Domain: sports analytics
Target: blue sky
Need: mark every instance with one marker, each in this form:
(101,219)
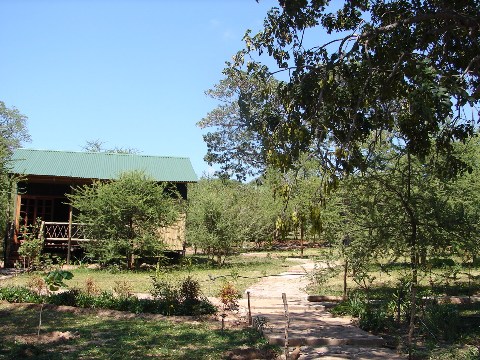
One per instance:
(129,73)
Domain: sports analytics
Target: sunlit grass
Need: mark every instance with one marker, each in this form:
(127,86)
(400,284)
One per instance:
(241,270)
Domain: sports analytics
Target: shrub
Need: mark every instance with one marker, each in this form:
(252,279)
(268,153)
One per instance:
(229,296)
(354,306)
(182,298)
(123,288)
(375,319)
(18,294)
(441,321)
(190,290)
(67,298)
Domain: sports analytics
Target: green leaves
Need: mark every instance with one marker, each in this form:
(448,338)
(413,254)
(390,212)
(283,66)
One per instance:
(125,215)
(55,279)
(398,66)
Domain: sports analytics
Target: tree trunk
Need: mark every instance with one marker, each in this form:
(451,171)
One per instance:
(345,273)
(414,257)
(302,234)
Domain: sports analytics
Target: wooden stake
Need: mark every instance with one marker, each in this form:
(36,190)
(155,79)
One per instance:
(249,310)
(287,322)
(69,243)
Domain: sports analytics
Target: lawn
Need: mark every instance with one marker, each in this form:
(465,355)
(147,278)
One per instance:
(241,270)
(95,335)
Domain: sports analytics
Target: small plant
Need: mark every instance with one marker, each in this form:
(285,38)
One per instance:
(123,288)
(37,284)
(259,323)
(32,245)
(182,298)
(55,279)
(354,306)
(90,287)
(190,290)
(441,321)
(229,296)
(320,275)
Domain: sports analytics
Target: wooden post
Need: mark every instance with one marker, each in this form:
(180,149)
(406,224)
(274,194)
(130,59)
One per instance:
(287,322)
(249,310)
(69,243)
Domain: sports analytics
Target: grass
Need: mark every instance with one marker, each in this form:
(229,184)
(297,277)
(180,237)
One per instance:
(439,281)
(242,270)
(109,337)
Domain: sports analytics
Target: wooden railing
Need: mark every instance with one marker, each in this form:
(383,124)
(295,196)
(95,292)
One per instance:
(51,231)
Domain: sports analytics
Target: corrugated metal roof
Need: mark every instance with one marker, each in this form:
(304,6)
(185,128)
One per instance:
(92,165)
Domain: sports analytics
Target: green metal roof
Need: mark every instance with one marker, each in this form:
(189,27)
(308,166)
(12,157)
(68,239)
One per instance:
(92,165)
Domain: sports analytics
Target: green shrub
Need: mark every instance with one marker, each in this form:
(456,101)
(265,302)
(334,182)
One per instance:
(67,298)
(442,321)
(375,319)
(354,306)
(18,294)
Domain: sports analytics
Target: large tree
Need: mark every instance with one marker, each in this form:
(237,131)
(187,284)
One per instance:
(407,65)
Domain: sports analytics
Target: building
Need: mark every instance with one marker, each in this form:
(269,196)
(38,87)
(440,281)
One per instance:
(46,177)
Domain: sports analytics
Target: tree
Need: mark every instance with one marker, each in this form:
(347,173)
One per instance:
(13,130)
(98,146)
(124,216)
(212,218)
(223,215)
(302,197)
(232,143)
(405,207)
(406,65)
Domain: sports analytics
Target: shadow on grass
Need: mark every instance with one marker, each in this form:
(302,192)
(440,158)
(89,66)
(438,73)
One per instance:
(110,338)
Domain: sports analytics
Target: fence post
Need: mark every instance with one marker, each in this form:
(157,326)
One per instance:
(69,243)
(287,323)
(249,310)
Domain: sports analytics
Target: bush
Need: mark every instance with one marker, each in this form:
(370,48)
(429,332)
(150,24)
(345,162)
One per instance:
(442,321)
(18,294)
(354,306)
(229,296)
(67,298)
(182,298)
(375,319)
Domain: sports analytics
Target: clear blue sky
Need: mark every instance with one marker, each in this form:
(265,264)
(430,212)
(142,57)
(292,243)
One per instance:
(130,73)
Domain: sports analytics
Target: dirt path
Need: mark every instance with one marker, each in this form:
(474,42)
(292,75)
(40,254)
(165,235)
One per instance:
(312,329)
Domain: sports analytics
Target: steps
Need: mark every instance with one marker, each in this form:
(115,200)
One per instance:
(311,327)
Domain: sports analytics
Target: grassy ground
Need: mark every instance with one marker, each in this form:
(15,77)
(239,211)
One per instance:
(242,270)
(66,335)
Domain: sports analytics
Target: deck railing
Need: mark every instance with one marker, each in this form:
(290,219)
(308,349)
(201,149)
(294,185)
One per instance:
(60,231)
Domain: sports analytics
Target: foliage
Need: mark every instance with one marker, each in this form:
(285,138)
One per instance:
(182,305)
(302,197)
(55,278)
(180,298)
(441,321)
(13,130)
(231,143)
(123,288)
(98,146)
(229,296)
(32,246)
(223,215)
(19,294)
(124,216)
(403,65)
